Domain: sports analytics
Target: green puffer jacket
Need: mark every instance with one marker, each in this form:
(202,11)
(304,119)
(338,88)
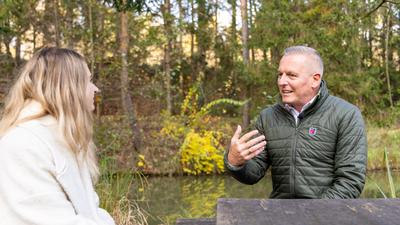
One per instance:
(323,156)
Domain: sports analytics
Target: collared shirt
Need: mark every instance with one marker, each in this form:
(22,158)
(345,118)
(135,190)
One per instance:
(296,113)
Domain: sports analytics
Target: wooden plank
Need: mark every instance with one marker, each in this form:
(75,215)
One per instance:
(308,212)
(197,221)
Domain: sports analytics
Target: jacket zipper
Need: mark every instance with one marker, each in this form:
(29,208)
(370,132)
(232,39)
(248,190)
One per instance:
(293,151)
(293,167)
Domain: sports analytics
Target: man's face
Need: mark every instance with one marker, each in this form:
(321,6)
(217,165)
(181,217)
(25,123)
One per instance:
(297,80)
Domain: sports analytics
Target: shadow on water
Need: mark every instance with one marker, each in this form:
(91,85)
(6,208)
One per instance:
(169,198)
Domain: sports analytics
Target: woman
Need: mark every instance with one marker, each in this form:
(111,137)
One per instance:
(47,156)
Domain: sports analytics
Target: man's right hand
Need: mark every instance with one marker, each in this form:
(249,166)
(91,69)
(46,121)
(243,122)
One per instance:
(243,148)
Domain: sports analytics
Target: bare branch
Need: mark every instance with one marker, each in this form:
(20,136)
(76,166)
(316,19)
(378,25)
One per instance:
(376,8)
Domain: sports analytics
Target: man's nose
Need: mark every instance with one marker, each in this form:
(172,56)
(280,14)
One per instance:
(282,79)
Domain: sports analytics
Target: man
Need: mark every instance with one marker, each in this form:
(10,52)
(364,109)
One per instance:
(314,142)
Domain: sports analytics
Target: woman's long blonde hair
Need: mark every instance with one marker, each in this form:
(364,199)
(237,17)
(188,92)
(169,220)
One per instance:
(57,78)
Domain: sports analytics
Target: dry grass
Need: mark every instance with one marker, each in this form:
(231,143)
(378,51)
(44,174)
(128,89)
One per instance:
(378,140)
(128,212)
(115,196)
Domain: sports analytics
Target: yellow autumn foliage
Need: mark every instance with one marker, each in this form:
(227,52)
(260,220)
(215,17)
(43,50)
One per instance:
(202,153)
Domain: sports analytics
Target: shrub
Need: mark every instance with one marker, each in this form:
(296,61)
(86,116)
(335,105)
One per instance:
(202,153)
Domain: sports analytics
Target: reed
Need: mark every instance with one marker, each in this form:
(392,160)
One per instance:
(389,173)
(115,196)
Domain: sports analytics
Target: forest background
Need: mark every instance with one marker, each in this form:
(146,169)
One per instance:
(177,76)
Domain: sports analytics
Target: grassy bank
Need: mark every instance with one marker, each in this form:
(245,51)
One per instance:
(378,140)
(161,154)
(116,195)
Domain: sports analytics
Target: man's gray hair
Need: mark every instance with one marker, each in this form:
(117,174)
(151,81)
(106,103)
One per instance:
(304,50)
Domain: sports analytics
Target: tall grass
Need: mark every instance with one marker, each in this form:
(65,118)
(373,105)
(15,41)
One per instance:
(391,184)
(118,182)
(378,140)
(384,185)
(115,196)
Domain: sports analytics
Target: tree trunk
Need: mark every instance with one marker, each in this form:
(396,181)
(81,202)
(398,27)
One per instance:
(70,24)
(251,3)
(202,38)
(18,51)
(245,55)
(56,23)
(166,11)
(233,26)
(180,46)
(216,29)
(233,44)
(91,37)
(126,98)
(100,52)
(192,33)
(192,28)
(387,36)
(216,16)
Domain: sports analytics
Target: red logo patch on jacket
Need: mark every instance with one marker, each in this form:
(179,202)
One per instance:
(312,131)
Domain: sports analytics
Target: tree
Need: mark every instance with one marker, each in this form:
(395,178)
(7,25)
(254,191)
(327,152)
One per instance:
(166,12)
(125,95)
(245,55)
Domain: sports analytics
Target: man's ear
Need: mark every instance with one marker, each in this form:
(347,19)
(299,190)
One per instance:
(316,80)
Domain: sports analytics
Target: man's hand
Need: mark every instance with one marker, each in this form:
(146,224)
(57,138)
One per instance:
(243,148)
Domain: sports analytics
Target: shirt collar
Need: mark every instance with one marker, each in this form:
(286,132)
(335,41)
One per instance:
(291,108)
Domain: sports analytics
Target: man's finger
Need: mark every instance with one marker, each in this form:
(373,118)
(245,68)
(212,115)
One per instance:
(254,154)
(254,148)
(247,136)
(254,141)
(236,135)
(257,146)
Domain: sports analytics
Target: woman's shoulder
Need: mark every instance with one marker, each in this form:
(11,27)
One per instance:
(28,130)
(33,135)
(22,143)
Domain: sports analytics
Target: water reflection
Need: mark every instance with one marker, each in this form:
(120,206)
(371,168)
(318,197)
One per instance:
(169,198)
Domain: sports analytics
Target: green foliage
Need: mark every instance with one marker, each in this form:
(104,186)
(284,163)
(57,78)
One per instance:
(127,5)
(112,141)
(207,108)
(195,114)
(173,127)
(361,89)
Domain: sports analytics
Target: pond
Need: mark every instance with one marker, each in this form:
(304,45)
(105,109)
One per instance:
(167,198)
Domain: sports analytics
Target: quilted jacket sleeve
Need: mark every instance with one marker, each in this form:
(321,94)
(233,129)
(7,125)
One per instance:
(253,170)
(350,158)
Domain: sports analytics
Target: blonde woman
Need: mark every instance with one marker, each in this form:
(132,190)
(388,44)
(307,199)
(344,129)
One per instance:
(47,156)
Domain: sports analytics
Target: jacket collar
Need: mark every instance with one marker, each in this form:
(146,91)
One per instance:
(33,109)
(322,95)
